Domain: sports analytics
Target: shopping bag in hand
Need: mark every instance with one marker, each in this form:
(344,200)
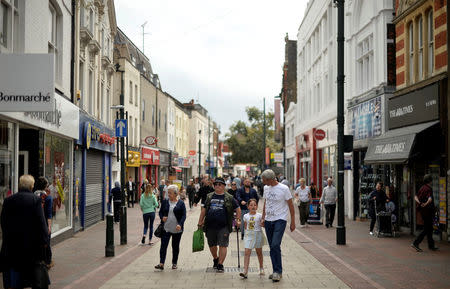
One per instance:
(198,241)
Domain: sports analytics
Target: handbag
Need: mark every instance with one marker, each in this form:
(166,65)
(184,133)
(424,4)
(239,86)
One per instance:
(198,241)
(160,230)
(40,275)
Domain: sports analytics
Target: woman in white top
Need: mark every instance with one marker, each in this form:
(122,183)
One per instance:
(303,197)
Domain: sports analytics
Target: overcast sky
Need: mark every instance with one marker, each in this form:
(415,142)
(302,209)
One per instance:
(226,54)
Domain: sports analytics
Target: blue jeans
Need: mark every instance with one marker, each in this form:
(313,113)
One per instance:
(148,217)
(274,233)
(176,238)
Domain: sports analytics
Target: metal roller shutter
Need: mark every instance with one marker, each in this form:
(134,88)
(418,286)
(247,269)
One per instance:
(94,187)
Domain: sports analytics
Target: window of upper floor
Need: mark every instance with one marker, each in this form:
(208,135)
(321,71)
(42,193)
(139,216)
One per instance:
(365,64)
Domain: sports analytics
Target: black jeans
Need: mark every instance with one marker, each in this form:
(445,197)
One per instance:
(131,198)
(117,211)
(191,200)
(330,209)
(176,238)
(373,220)
(427,231)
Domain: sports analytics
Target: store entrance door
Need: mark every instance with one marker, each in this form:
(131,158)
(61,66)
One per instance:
(31,156)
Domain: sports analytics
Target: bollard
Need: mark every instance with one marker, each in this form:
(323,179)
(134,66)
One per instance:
(109,247)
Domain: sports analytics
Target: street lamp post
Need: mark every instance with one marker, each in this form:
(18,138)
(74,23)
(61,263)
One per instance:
(123,208)
(199,153)
(340,229)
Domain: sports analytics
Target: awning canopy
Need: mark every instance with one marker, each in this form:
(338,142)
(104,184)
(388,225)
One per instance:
(395,145)
(177,169)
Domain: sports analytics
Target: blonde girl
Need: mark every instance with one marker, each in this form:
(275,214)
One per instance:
(148,204)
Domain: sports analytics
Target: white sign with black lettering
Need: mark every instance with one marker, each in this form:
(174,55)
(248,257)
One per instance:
(26,82)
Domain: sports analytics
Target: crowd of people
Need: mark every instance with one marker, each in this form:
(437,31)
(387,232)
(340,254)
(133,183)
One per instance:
(227,204)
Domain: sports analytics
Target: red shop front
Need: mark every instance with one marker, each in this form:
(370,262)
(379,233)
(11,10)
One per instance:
(149,165)
(309,159)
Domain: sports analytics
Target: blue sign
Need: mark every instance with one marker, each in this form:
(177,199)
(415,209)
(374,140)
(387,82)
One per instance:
(365,119)
(121,128)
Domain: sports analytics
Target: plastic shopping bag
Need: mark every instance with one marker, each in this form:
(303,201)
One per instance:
(198,241)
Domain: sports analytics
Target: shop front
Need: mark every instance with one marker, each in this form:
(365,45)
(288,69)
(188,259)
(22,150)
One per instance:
(412,147)
(164,165)
(41,144)
(92,183)
(149,164)
(132,165)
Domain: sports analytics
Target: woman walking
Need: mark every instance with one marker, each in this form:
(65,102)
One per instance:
(148,204)
(173,215)
(303,195)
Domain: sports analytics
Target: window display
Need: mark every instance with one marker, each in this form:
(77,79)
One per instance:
(57,171)
(6,161)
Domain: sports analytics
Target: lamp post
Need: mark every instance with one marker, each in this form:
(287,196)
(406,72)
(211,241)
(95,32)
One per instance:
(340,229)
(123,208)
(199,153)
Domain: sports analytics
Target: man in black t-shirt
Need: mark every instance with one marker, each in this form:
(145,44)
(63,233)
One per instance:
(216,219)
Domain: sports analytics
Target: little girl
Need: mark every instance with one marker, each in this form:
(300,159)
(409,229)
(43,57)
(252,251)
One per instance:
(254,237)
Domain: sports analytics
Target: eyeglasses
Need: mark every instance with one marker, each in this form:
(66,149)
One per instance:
(216,184)
(233,184)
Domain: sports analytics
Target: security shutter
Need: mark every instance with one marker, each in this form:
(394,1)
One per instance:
(94,187)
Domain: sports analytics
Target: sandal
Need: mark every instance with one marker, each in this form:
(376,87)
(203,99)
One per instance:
(174,266)
(159,266)
(243,275)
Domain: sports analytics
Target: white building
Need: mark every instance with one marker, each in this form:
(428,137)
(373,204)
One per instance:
(198,124)
(369,38)
(289,125)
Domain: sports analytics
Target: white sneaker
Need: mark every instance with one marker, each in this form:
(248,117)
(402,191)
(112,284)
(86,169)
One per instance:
(371,233)
(276,277)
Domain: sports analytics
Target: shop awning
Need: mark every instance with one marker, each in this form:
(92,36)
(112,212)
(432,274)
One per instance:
(394,146)
(177,169)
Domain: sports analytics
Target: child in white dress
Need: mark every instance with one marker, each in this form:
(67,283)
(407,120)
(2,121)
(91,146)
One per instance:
(254,237)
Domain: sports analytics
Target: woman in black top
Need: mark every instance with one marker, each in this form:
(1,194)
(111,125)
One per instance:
(116,197)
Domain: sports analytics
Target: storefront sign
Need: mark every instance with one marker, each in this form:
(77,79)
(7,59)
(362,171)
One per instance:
(278,157)
(94,134)
(192,153)
(149,156)
(183,162)
(133,159)
(365,119)
(314,212)
(319,134)
(164,159)
(174,159)
(63,119)
(27,82)
(151,140)
(415,107)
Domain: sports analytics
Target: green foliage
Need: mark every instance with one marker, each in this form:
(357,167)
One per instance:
(246,140)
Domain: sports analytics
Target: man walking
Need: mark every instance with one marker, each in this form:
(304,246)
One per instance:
(131,187)
(190,190)
(425,205)
(216,218)
(277,205)
(243,195)
(329,198)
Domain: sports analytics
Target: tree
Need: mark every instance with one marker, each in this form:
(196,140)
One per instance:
(246,140)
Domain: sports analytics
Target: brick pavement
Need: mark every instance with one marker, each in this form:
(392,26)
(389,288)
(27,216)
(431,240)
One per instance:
(371,262)
(300,269)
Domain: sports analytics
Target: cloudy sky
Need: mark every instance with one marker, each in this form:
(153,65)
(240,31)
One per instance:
(226,55)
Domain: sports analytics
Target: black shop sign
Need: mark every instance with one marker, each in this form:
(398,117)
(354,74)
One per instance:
(419,106)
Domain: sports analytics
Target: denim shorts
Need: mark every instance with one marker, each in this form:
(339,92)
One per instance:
(218,237)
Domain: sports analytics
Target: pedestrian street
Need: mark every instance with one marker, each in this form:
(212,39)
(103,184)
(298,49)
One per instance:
(300,269)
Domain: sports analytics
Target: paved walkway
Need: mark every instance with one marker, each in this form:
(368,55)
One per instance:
(301,270)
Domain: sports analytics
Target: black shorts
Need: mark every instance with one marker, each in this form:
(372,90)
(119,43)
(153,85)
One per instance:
(218,237)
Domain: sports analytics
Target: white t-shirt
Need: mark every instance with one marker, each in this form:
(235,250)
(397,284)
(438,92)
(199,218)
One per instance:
(253,221)
(303,194)
(276,202)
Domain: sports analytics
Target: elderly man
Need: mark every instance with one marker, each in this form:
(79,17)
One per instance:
(216,219)
(277,206)
(25,236)
(329,198)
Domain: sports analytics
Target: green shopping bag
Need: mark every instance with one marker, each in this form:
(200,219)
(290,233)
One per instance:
(198,241)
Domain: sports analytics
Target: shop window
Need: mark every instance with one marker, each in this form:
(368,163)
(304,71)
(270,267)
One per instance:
(57,171)
(430,43)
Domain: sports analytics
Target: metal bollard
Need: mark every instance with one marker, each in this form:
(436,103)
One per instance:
(123,225)
(109,247)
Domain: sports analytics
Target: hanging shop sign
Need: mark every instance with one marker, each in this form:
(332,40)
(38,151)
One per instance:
(174,159)
(151,140)
(95,135)
(419,106)
(27,82)
(278,157)
(164,159)
(62,119)
(192,153)
(149,156)
(183,162)
(365,119)
(133,159)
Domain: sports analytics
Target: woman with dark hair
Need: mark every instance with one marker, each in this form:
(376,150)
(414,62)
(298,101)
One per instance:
(43,193)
